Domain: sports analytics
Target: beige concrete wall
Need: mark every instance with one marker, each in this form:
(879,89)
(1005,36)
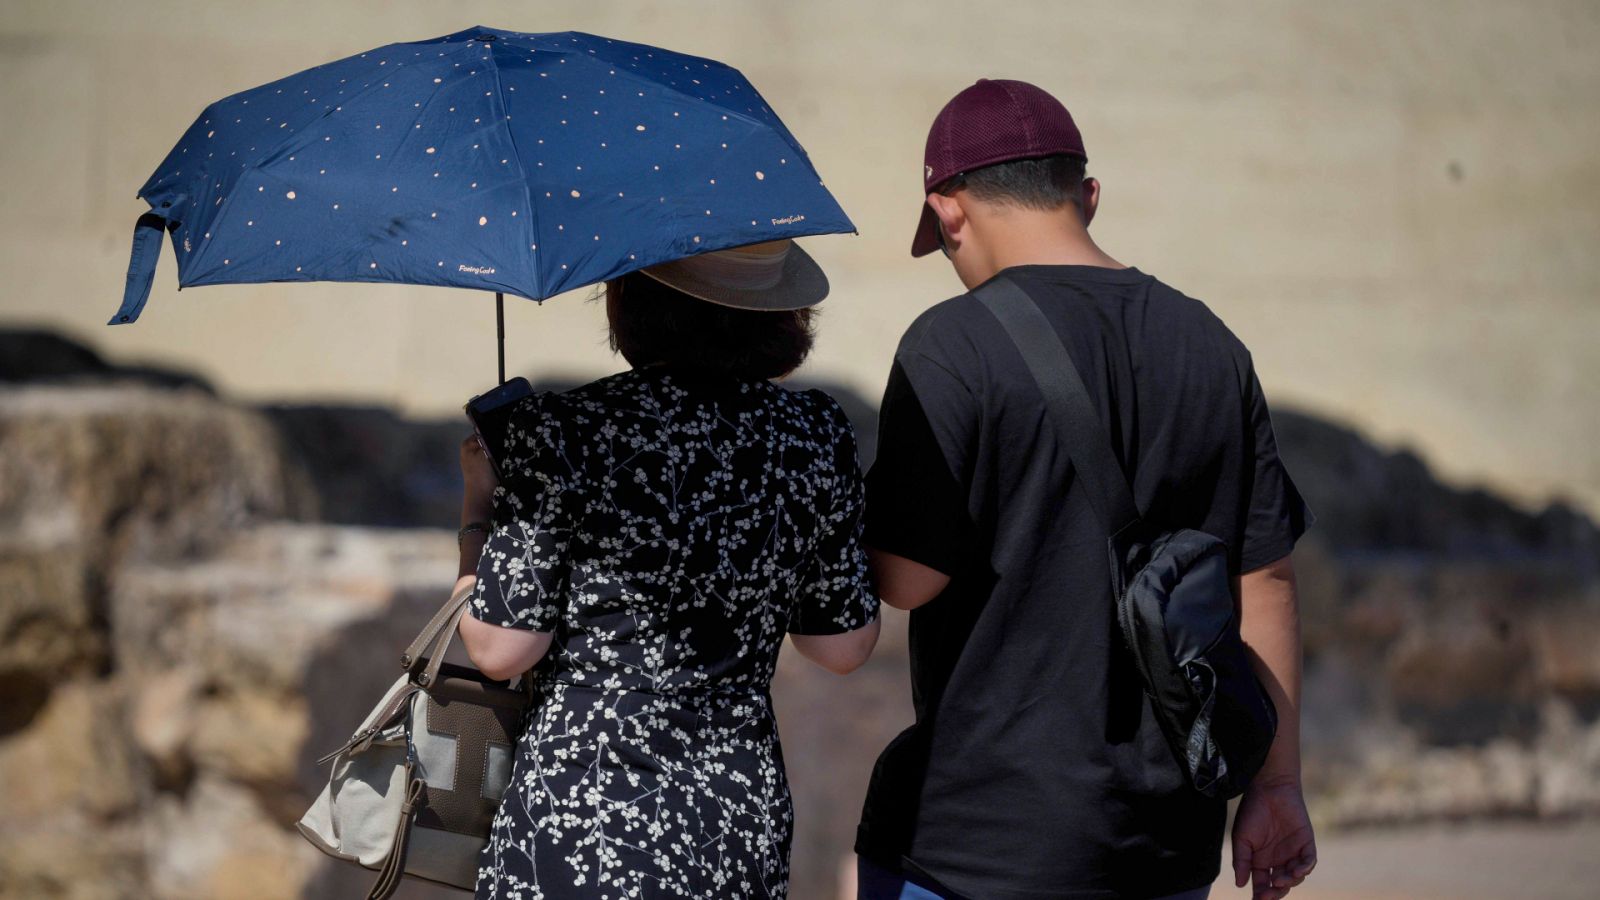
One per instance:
(1397,205)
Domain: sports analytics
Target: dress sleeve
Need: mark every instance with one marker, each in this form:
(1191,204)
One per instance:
(523,572)
(1277,515)
(835,595)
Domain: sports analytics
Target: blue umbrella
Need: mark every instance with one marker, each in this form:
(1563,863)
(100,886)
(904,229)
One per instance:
(525,164)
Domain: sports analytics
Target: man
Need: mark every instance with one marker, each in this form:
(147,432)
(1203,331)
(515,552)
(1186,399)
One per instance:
(1035,768)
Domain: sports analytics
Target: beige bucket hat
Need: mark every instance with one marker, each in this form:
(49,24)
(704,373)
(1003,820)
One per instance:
(772,276)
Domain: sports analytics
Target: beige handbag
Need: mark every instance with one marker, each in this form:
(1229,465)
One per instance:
(414,790)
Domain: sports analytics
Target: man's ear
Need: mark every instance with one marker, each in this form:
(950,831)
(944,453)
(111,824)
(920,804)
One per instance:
(1089,196)
(952,218)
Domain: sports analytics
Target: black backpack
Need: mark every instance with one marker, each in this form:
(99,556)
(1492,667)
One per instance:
(1175,603)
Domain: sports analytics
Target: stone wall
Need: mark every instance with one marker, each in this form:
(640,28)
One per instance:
(181,635)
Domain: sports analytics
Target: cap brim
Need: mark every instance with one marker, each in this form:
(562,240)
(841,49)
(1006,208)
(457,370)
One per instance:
(802,284)
(927,239)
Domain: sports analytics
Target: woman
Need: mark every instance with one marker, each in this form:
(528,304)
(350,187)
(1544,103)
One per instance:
(657,533)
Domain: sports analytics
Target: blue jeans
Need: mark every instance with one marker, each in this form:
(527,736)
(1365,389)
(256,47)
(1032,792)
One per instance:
(874,882)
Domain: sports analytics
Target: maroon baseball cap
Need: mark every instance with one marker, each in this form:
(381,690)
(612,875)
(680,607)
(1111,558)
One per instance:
(993,121)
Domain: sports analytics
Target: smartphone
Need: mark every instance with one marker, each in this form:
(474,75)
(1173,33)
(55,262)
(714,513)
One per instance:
(489,413)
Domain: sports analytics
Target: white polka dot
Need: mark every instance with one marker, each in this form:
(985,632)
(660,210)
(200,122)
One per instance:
(697,239)
(437,80)
(761,176)
(372,266)
(262,188)
(277,243)
(575,194)
(297,268)
(483,220)
(429,150)
(638,128)
(290,195)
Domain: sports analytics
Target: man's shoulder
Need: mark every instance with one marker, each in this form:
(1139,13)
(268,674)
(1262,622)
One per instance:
(1188,319)
(946,332)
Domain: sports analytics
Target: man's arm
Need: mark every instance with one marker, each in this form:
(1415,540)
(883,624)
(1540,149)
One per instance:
(903,583)
(1273,844)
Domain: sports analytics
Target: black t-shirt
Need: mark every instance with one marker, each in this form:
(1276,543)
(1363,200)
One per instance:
(1035,768)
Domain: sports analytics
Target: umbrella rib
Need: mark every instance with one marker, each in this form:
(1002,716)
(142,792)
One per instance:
(522,172)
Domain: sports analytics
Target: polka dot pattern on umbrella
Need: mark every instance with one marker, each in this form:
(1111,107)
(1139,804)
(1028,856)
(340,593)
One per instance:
(494,160)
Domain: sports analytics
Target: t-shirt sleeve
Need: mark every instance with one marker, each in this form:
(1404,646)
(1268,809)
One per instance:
(1277,514)
(918,486)
(835,595)
(523,572)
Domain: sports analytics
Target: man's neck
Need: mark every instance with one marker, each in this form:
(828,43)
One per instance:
(1045,239)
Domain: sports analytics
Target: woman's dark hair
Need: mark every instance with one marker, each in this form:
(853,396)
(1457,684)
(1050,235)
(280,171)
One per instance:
(653,323)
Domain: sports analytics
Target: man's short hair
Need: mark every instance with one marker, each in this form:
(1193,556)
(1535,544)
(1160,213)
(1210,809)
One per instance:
(1048,182)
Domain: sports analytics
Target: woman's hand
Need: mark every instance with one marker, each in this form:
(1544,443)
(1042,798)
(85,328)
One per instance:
(478,482)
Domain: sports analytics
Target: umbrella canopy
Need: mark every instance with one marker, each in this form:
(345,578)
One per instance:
(529,164)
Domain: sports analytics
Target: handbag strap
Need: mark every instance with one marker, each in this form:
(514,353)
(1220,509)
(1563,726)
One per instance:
(1066,400)
(394,862)
(440,628)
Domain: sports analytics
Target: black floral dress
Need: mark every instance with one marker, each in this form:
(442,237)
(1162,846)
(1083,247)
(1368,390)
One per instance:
(669,527)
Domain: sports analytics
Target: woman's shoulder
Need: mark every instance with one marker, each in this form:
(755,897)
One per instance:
(821,413)
(568,403)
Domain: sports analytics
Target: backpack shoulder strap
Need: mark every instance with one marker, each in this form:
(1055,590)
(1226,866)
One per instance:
(1066,400)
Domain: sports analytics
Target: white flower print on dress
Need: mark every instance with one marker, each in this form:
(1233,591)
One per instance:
(669,527)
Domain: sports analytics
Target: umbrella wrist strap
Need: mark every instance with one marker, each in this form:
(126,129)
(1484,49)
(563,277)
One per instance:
(147,235)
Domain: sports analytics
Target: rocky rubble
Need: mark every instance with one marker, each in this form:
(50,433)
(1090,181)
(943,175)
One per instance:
(181,635)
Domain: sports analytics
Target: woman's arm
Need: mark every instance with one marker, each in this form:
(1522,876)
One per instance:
(498,652)
(840,654)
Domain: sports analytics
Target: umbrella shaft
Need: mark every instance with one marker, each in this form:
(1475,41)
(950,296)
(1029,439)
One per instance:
(500,330)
